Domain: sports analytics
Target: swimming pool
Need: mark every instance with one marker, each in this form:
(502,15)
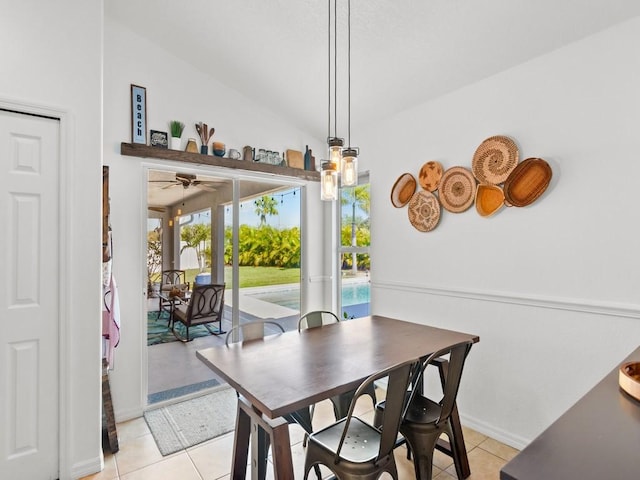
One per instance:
(352,294)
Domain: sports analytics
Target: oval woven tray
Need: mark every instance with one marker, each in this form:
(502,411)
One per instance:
(527,182)
(403,189)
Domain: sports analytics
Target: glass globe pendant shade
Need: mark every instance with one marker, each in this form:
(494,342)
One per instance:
(329,182)
(349,170)
(335,151)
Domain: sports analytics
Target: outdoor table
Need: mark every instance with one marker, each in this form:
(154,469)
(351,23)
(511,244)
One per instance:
(280,374)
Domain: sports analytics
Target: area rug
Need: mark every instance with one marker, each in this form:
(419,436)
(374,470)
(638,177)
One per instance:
(159,332)
(185,424)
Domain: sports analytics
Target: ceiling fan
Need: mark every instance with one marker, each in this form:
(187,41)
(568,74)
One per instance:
(187,180)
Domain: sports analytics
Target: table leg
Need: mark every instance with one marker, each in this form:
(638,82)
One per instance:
(460,454)
(241,445)
(281,448)
(278,430)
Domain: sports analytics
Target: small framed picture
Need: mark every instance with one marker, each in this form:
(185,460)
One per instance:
(138,114)
(158,139)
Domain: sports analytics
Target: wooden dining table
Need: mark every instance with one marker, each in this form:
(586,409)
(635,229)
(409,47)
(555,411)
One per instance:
(280,374)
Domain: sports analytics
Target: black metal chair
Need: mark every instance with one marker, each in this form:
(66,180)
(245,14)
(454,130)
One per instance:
(353,449)
(205,306)
(426,420)
(319,318)
(254,331)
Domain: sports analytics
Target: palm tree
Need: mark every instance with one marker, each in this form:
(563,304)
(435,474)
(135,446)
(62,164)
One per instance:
(265,205)
(357,196)
(196,236)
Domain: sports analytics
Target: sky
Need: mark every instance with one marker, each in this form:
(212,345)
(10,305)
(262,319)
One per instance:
(288,206)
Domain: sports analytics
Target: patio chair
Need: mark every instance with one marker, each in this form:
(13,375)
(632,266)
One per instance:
(352,448)
(205,306)
(170,280)
(253,331)
(319,318)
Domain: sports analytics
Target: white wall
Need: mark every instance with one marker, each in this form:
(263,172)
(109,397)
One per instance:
(53,61)
(552,289)
(175,90)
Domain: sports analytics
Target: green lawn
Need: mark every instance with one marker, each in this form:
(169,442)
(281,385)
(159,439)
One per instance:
(256,276)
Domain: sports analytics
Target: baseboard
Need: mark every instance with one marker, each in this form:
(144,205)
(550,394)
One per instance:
(88,467)
(498,434)
(129,414)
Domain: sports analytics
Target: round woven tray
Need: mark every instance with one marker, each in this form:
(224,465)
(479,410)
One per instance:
(424,211)
(457,188)
(489,199)
(402,190)
(527,182)
(430,175)
(494,160)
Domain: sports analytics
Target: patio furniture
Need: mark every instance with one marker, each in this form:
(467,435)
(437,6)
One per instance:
(205,306)
(352,448)
(171,281)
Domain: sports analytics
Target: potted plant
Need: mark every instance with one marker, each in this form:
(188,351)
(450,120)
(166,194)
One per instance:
(176,128)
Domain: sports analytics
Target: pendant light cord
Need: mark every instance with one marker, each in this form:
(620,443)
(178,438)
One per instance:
(335,68)
(349,71)
(329,70)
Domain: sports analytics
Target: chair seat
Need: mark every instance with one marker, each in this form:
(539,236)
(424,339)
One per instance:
(180,311)
(423,410)
(361,444)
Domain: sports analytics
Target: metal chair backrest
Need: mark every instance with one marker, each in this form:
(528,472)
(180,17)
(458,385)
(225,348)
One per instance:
(316,318)
(450,382)
(173,277)
(207,301)
(251,331)
(396,402)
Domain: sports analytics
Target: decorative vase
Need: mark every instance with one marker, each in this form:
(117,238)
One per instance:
(192,146)
(204,149)
(176,143)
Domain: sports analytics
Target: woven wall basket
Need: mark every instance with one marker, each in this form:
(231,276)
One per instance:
(494,160)
(424,211)
(527,182)
(430,175)
(403,190)
(457,189)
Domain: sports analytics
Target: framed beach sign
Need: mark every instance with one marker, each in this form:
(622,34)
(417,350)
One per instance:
(138,114)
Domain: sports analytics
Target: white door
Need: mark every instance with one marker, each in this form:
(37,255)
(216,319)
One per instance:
(29,277)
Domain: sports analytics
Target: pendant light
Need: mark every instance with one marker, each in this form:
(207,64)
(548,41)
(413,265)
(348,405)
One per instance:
(349,166)
(342,161)
(331,167)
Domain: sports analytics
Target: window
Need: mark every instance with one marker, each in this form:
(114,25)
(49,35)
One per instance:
(353,252)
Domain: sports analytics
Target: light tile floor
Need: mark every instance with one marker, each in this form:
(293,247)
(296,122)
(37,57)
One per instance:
(139,458)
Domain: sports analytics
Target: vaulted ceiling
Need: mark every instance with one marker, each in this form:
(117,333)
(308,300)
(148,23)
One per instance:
(404,52)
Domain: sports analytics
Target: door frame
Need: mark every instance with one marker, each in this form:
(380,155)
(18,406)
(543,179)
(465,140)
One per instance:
(64,260)
(236,177)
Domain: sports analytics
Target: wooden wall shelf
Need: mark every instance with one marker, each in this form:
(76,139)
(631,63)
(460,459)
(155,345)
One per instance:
(144,151)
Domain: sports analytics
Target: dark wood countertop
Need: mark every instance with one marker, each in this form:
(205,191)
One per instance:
(598,437)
